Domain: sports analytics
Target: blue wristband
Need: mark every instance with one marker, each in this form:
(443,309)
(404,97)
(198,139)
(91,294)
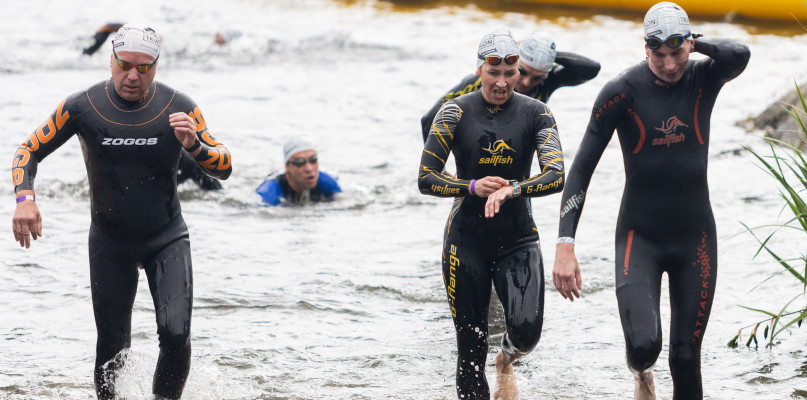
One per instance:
(31,197)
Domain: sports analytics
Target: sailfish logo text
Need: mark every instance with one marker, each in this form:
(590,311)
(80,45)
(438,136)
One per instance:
(669,128)
(496,151)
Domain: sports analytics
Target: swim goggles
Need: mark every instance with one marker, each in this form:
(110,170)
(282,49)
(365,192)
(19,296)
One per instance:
(535,79)
(673,41)
(300,162)
(496,60)
(143,68)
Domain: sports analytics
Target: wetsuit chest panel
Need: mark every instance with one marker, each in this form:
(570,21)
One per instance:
(494,140)
(131,155)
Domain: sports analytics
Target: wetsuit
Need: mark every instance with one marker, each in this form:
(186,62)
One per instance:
(275,190)
(131,155)
(490,140)
(665,221)
(570,70)
(100,37)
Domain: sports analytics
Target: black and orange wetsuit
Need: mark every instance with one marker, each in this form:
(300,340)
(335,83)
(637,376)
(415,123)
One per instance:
(490,140)
(131,155)
(665,220)
(570,70)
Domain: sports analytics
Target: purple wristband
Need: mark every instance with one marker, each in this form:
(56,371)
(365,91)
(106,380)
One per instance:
(20,199)
(473,184)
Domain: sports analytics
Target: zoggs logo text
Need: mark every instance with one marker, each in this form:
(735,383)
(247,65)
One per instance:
(129,142)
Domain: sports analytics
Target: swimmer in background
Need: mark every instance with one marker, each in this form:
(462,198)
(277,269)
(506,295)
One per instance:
(131,129)
(661,109)
(302,181)
(542,70)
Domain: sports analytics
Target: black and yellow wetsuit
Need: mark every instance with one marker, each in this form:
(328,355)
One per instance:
(131,155)
(665,221)
(490,140)
(570,70)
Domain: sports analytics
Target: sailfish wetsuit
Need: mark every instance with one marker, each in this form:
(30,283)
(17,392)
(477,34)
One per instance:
(131,155)
(665,221)
(570,70)
(491,140)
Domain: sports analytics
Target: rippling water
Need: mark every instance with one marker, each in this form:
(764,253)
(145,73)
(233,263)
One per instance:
(345,300)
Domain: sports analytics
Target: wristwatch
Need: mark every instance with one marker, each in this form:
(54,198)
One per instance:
(516,188)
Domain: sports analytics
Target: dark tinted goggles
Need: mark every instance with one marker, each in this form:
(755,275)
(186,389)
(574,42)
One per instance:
(299,162)
(672,41)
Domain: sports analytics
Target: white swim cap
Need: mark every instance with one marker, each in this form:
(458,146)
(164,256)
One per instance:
(498,42)
(137,38)
(664,20)
(538,51)
(296,145)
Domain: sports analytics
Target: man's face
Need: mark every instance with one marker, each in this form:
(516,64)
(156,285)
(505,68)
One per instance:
(132,85)
(529,78)
(305,175)
(667,63)
(498,81)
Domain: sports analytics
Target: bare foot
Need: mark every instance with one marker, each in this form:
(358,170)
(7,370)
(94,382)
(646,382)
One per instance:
(644,389)
(505,379)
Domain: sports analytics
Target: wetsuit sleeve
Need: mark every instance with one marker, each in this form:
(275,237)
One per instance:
(573,69)
(270,191)
(100,37)
(550,159)
(54,132)
(605,116)
(435,153)
(727,58)
(214,157)
(469,84)
(328,185)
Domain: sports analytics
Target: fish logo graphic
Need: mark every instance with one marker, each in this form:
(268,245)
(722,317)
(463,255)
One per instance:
(498,147)
(669,126)
(496,151)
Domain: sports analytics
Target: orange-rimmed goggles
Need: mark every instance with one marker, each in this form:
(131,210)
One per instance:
(496,60)
(142,68)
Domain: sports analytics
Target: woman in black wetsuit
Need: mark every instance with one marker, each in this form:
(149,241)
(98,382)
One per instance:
(661,109)
(490,235)
(131,129)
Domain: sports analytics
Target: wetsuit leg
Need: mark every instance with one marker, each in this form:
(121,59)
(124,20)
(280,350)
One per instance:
(113,283)
(519,281)
(468,284)
(638,289)
(171,284)
(692,286)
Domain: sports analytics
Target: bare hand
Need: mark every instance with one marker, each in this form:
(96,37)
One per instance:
(184,129)
(27,222)
(496,199)
(488,185)
(566,273)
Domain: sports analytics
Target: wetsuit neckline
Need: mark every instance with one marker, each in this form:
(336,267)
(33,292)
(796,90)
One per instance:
(128,105)
(495,108)
(658,81)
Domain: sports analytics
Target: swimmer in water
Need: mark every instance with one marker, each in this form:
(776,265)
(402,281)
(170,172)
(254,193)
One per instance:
(132,130)
(661,109)
(495,135)
(541,70)
(302,182)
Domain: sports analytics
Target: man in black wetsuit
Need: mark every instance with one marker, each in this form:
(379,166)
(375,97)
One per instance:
(661,109)
(131,129)
(542,70)
(490,235)
(188,168)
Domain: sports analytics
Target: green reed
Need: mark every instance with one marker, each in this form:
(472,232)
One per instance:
(790,172)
